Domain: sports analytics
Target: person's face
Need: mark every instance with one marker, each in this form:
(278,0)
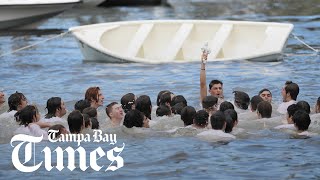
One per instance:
(62,110)
(37,117)
(2,99)
(216,90)
(284,94)
(117,112)
(266,96)
(100,98)
(23,103)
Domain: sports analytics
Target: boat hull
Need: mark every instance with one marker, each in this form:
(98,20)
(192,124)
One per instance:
(92,55)
(107,3)
(178,41)
(29,16)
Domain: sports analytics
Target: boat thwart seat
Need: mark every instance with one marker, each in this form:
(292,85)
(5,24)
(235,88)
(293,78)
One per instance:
(219,39)
(176,43)
(138,39)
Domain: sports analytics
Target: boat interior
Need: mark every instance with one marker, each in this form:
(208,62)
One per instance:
(171,41)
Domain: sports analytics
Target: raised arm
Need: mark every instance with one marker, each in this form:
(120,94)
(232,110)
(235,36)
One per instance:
(203,79)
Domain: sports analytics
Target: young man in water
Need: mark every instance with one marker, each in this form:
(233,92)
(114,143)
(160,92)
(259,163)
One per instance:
(266,95)
(241,101)
(217,133)
(76,122)
(215,86)
(16,102)
(301,121)
(209,104)
(289,95)
(264,110)
(56,110)
(293,108)
(115,113)
(135,118)
(94,96)
(255,100)
(82,104)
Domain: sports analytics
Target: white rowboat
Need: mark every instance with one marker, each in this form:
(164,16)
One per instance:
(18,13)
(163,41)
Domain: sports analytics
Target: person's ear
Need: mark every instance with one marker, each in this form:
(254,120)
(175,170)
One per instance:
(235,123)
(288,95)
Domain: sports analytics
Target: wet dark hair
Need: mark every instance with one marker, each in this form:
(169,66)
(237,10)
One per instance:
(143,104)
(218,120)
(14,100)
(81,105)
(177,108)
(201,118)
(163,110)
(215,81)
(304,105)
(159,96)
(292,109)
(53,104)
(225,105)
(264,109)
(292,89)
(109,108)
(92,94)
(179,99)
(241,99)
(187,115)
(26,115)
(133,118)
(209,101)
(127,101)
(302,120)
(255,100)
(231,118)
(75,121)
(94,123)
(265,89)
(165,98)
(91,111)
(57,127)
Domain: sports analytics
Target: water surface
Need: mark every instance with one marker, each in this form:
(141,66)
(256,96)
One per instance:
(56,68)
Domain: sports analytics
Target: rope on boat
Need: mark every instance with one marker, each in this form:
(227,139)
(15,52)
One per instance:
(307,45)
(35,44)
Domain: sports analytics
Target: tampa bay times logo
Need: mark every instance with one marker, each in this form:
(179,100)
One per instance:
(26,147)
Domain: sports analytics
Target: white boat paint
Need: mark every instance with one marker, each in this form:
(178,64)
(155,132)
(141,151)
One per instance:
(18,13)
(163,41)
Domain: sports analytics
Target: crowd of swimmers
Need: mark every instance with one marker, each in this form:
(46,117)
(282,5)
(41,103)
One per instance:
(217,117)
